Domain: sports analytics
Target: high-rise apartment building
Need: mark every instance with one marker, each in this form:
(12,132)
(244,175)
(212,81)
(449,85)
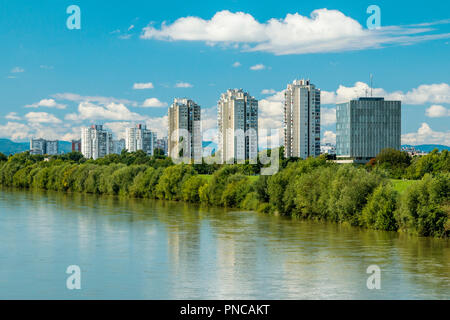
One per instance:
(118,146)
(161,144)
(42,146)
(95,142)
(185,137)
(76,145)
(140,138)
(52,147)
(366,126)
(237,118)
(301,120)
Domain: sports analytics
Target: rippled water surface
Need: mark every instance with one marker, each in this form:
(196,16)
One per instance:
(144,249)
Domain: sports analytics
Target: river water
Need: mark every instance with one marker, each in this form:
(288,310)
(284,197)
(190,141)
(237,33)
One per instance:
(145,249)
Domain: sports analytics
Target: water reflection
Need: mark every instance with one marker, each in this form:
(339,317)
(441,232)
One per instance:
(134,248)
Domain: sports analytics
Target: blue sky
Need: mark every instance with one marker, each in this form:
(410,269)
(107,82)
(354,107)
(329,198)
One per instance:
(54,80)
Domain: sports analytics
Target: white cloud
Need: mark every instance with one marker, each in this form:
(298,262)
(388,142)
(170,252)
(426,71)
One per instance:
(15,131)
(236,64)
(96,99)
(323,31)
(271,114)
(257,67)
(425,93)
(143,85)
(17,70)
(268,91)
(437,111)
(425,135)
(41,117)
(12,116)
(49,103)
(131,27)
(183,85)
(46,67)
(153,103)
(329,137)
(327,116)
(112,111)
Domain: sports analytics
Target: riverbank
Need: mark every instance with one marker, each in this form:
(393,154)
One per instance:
(312,189)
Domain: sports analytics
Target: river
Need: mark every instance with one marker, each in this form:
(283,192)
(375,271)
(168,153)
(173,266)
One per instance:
(146,249)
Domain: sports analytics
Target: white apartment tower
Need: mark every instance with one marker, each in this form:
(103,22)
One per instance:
(140,138)
(237,118)
(96,142)
(185,136)
(301,120)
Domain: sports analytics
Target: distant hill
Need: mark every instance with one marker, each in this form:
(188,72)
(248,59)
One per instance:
(428,147)
(10,147)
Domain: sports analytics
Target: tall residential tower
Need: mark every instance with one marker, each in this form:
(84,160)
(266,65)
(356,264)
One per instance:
(238,126)
(95,142)
(185,136)
(140,138)
(301,120)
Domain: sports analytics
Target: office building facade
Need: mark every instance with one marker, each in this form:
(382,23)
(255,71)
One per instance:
(302,120)
(185,136)
(237,126)
(366,126)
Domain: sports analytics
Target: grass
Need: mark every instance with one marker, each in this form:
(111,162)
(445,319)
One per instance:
(401,185)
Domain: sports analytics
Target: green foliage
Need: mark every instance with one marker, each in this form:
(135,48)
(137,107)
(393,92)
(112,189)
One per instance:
(311,189)
(424,207)
(379,211)
(190,188)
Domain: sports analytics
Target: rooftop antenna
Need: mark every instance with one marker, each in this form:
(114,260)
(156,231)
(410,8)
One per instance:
(371,85)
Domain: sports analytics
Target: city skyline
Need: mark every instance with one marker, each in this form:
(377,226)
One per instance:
(51,91)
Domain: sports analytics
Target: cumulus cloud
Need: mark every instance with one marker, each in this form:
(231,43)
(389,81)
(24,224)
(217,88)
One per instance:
(112,111)
(153,103)
(67,96)
(425,135)
(327,31)
(17,70)
(329,137)
(12,116)
(327,116)
(49,103)
(41,117)
(15,131)
(425,93)
(258,67)
(183,85)
(268,91)
(142,85)
(437,111)
(236,64)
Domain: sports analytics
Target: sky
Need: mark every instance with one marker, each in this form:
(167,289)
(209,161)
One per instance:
(128,60)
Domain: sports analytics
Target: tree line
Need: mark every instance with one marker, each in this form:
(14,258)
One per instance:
(310,189)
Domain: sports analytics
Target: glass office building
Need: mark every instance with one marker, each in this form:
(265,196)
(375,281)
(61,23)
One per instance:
(366,126)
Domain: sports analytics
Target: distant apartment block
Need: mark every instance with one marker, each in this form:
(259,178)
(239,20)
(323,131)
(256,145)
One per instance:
(161,144)
(185,136)
(42,146)
(76,145)
(95,142)
(302,120)
(366,126)
(238,126)
(140,138)
(118,146)
(328,148)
